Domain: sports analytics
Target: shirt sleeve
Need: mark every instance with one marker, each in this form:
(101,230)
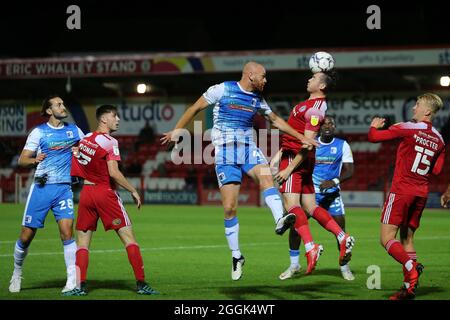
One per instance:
(214,93)
(395,131)
(33,139)
(347,155)
(113,151)
(80,133)
(265,108)
(439,163)
(314,118)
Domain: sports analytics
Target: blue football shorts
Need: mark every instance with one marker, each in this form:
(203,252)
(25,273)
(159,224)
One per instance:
(331,202)
(57,197)
(234,158)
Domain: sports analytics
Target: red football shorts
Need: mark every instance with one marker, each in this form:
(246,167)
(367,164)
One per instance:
(403,210)
(300,181)
(104,203)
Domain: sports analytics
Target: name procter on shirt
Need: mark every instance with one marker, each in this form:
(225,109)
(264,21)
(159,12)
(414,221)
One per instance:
(420,153)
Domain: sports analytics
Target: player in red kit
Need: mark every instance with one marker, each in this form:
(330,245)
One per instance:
(96,162)
(420,154)
(296,169)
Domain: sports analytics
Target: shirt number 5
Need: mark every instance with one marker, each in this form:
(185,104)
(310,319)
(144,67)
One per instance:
(422,158)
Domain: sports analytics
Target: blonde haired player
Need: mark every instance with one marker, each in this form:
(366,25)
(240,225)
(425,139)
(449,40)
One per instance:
(420,154)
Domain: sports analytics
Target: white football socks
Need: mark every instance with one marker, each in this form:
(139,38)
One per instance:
(232,235)
(20,252)
(273,201)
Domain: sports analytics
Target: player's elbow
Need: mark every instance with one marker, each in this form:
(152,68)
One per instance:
(22,162)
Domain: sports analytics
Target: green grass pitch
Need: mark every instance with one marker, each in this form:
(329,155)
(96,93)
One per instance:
(186,257)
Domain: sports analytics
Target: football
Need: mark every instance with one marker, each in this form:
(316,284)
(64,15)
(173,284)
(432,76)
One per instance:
(321,61)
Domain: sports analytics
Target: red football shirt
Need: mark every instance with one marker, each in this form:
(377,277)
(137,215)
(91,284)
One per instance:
(307,115)
(420,153)
(95,150)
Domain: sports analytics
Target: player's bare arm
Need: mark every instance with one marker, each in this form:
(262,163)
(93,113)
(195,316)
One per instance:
(275,161)
(279,123)
(118,177)
(28,159)
(298,159)
(283,175)
(346,173)
(187,117)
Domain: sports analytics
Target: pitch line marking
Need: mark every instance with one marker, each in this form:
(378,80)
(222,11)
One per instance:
(365,239)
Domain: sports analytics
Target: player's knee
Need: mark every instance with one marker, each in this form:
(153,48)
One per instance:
(230,210)
(27,235)
(265,182)
(66,235)
(26,241)
(309,210)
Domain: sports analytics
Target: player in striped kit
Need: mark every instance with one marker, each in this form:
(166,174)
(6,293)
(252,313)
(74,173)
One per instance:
(49,148)
(333,165)
(96,162)
(420,154)
(235,105)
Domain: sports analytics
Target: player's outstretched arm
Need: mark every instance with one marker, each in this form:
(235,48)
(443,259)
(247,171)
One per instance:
(118,177)
(28,160)
(187,117)
(376,135)
(279,123)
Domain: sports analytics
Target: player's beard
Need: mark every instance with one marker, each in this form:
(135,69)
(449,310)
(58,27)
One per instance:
(327,138)
(114,128)
(61,116)
(259,88)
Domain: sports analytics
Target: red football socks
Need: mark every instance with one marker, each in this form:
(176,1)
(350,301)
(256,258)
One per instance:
(396,250)
(82,262)
(135,258)
(301,224)
(325,220)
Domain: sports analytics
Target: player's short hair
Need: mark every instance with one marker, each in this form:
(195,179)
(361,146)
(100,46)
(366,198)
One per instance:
(103,109)
(432,100)
(47,104)
(327,116)
(329,78)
